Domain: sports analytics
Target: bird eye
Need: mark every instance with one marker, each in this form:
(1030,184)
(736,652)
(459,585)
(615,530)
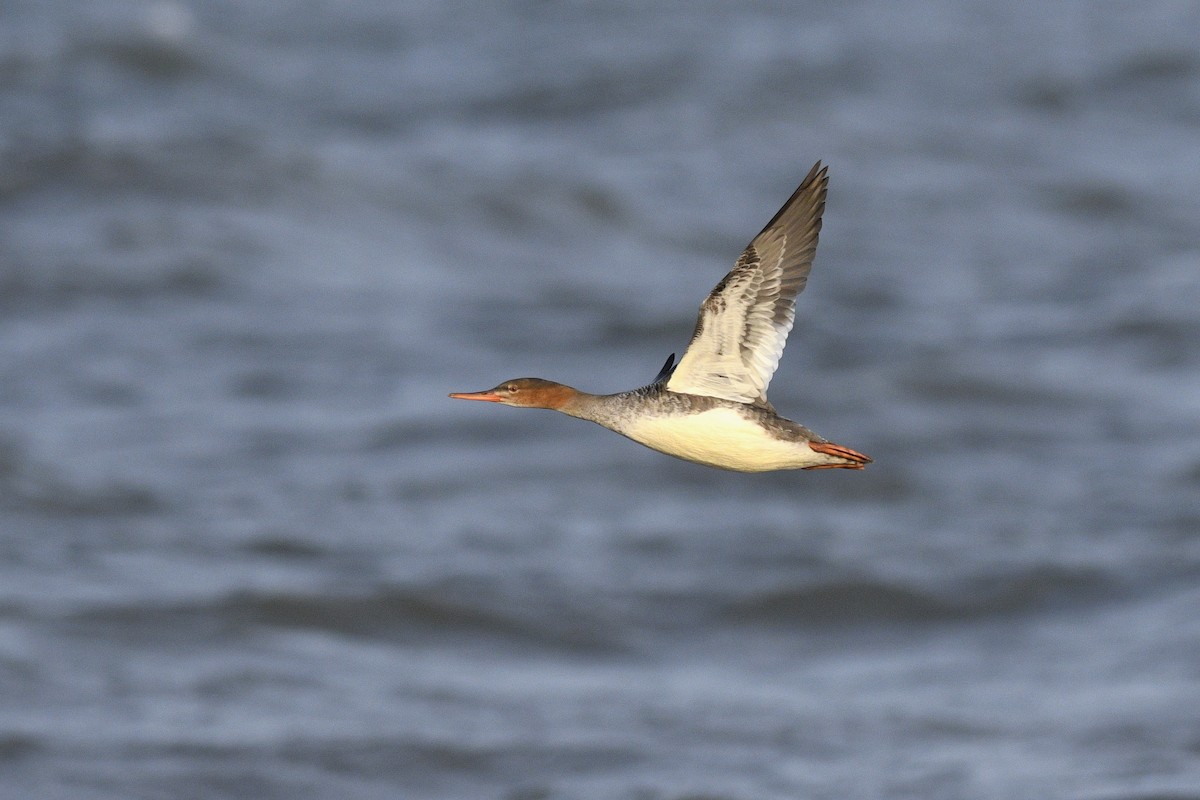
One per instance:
(512,387)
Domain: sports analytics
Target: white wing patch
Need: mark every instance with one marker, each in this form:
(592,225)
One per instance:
(744,322)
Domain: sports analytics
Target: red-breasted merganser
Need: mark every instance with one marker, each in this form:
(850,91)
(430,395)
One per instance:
(711,407)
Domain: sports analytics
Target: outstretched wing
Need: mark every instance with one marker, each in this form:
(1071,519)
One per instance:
(744,322)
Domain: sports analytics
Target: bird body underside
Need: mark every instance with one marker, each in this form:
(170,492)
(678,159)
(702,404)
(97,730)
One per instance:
(726,438)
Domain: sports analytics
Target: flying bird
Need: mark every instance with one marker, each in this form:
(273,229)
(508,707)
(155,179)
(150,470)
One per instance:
(711,407)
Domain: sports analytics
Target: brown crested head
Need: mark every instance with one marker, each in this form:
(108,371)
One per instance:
(524,393)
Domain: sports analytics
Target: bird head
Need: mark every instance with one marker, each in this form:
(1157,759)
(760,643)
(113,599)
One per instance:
(523,393)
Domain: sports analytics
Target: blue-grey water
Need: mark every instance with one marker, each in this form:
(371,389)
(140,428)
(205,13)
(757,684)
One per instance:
(249,549)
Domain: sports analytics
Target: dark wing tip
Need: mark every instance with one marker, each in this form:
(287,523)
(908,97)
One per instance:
(818,176)
(666,370)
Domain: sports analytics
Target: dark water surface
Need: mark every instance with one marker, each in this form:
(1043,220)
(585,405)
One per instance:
(248,549)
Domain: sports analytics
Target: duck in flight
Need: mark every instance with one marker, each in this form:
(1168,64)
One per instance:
(711,407)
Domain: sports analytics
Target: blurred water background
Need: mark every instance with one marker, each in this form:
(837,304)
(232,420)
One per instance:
(248,549)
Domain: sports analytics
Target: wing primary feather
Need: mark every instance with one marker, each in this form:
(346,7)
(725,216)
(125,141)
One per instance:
(813,174)
(666,370)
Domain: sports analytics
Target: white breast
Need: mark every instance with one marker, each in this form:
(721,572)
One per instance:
(721,437)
